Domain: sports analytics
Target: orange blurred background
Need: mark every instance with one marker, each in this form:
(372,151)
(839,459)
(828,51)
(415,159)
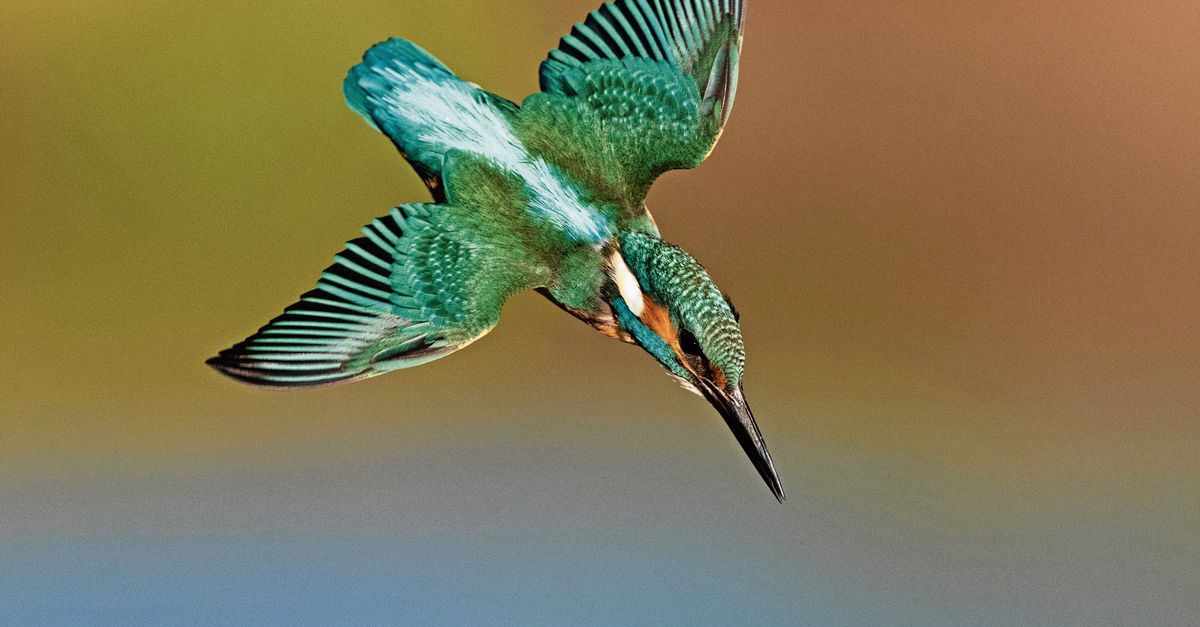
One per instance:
(965,241)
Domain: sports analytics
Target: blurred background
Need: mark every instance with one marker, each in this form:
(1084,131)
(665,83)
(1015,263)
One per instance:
(964,238)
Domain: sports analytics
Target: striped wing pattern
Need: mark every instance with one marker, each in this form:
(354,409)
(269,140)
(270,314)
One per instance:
(663,72)
(693,36)
(397,297)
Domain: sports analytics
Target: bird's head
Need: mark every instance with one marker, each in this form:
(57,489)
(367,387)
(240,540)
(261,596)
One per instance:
(665,300)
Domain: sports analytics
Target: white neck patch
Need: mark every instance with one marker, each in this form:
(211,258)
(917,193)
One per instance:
(627,284)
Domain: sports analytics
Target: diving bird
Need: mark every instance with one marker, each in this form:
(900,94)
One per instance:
(548,195)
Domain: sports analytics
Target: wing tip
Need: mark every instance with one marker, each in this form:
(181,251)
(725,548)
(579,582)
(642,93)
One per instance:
(228,363)
(676,32)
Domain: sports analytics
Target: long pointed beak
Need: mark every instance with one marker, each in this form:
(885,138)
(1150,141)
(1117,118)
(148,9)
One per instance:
(736,412)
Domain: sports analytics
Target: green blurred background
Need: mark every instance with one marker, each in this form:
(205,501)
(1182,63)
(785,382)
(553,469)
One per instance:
(964,237)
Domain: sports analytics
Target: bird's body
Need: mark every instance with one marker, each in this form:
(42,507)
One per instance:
(548,195)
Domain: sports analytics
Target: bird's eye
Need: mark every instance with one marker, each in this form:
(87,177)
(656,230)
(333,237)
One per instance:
(688,343)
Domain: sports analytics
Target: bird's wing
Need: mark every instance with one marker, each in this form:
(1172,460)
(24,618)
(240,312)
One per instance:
(423,107)
(417,286)
(661,76)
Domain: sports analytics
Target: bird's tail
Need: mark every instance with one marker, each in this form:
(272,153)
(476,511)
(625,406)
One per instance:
(422,106)
(404,57)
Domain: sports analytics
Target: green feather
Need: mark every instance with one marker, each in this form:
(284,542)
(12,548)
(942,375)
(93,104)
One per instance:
(660,77)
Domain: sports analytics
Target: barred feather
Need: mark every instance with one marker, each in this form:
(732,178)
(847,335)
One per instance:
(405,293)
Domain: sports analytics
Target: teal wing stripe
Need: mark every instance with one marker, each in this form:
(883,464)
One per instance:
(673,31)
(418,285)
(341,330)
(698,37)
(615,36)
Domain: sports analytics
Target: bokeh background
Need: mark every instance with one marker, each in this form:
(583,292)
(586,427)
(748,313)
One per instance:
(964,237)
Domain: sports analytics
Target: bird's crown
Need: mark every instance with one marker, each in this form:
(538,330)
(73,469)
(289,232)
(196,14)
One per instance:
(685,309)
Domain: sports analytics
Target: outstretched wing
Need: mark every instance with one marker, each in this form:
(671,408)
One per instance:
(423,107)
(661,76)
(417,286)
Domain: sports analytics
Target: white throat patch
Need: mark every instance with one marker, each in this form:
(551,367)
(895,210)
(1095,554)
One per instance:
(627,284)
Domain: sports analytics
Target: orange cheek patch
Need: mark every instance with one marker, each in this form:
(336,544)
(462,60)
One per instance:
(656,317)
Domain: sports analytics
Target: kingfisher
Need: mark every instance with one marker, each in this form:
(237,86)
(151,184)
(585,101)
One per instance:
(548,195)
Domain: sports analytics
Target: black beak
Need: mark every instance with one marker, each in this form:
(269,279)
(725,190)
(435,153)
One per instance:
(736,412)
